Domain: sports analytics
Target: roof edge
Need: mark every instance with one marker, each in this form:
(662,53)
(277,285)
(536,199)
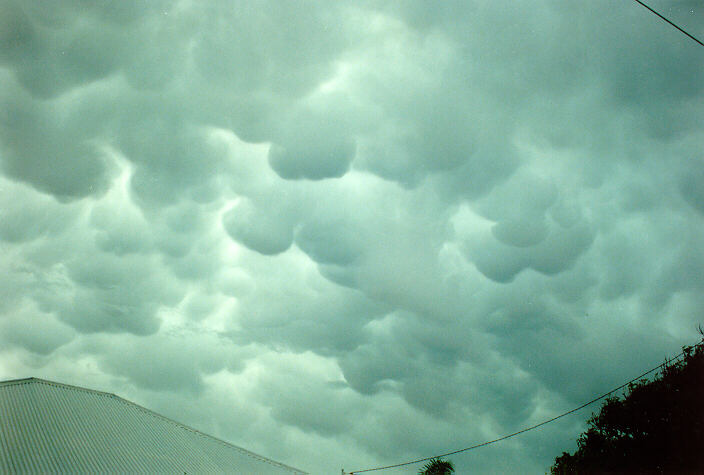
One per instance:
(31,379)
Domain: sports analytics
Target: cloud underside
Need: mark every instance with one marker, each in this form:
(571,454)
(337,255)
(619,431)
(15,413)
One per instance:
(383,231)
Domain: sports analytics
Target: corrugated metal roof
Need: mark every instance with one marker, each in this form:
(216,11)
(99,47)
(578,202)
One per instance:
(48,427)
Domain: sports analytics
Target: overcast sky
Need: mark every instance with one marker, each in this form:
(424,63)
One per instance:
(349,234)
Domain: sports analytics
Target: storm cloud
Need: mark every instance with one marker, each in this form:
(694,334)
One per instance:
(372,231)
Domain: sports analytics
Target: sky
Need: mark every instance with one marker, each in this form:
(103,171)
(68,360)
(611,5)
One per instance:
(355,233)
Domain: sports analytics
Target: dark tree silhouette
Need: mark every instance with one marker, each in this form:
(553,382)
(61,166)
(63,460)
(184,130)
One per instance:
(658,427)
(437,466)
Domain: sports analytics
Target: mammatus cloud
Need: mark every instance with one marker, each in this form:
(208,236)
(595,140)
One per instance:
(373,231)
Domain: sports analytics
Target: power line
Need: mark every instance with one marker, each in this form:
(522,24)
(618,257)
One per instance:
(483,444)
(682,30)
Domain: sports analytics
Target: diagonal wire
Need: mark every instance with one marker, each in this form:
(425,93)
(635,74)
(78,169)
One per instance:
(483,444)
(682,30)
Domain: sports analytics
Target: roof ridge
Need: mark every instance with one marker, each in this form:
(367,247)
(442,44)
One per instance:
(149,412)
(33,379)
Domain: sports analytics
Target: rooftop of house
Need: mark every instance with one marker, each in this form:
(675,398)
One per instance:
(52,427)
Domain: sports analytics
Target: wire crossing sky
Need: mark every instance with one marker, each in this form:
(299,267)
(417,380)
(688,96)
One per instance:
(493,441)
(363,229)
(668,21)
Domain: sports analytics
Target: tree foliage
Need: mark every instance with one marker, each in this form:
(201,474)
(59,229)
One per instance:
(658,427)
(437,466)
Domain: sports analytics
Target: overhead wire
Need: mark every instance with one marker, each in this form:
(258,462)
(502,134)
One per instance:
(493,441)
(671,23)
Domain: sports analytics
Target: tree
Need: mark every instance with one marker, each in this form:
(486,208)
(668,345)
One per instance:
(437,466)
(658,427)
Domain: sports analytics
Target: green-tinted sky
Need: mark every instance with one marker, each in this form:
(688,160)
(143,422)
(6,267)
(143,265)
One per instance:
(347,234)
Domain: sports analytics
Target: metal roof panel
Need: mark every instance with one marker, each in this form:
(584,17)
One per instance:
(53,427)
